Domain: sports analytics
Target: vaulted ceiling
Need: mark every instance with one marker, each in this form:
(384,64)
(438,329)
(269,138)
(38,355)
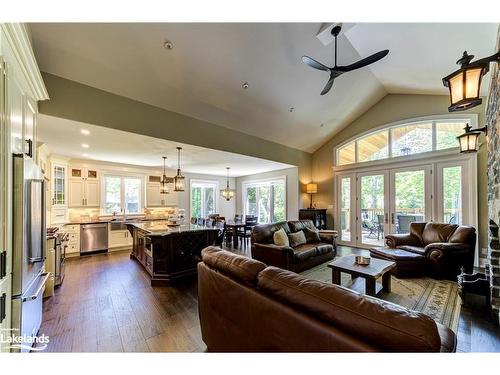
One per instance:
(202,75)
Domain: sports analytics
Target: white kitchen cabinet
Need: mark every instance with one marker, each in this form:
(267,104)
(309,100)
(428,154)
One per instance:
(155,199)
(73,231)
(119,238)
(84,187)
(5,303)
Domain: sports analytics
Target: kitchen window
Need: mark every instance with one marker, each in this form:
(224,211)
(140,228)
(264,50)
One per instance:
(122,193)
(265,199)
(203,198)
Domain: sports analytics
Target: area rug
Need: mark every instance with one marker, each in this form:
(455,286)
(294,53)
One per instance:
(438,299)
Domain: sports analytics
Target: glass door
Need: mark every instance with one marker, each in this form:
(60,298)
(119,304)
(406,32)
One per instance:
(452,192)
(372,208)
(410,196)
(346,208)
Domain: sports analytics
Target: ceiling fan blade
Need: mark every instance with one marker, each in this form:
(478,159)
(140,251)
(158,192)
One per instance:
(328,86)
(363,62)
(314,64)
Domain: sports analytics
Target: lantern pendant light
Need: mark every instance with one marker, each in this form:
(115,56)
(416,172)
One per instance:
(465,83)
(179,178)
(164,187)
(227,193)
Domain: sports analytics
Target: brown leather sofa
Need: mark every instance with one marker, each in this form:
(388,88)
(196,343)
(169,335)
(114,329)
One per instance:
(245,306)
(298,258)
(432,249)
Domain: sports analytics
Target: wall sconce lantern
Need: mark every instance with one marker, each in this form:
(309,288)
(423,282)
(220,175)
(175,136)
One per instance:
(469,140)
(465,83)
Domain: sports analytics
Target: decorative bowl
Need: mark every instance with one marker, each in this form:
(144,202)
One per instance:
(362,261)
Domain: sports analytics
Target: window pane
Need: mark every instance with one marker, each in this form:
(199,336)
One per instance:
(452,195)
(251,204)
(447,133)
(209,201)
(373,147)
(410,198)
(264,214)
(372,210)
(132,194)
(411,139)
(278,202)
(112,195)
(345,209)
(196,201)
(347,154)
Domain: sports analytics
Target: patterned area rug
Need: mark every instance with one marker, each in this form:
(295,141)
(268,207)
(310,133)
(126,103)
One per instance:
(438,299)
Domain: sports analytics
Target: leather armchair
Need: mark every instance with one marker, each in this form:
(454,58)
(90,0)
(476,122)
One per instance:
(295,259)
(439,249)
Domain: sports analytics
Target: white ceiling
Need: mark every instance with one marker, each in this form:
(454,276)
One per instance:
(202,75)
(63,137)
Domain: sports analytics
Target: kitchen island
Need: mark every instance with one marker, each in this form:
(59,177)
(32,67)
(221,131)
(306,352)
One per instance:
(169,253)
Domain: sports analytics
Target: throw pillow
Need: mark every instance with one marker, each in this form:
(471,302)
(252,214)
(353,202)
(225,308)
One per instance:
(312,235)
(297,238)
(280,238)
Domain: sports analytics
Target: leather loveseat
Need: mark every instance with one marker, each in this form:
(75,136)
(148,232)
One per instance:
(431,249)
(297,258)
(245,306)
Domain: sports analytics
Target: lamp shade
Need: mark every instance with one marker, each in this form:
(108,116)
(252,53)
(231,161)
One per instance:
(465,83)
(312,188)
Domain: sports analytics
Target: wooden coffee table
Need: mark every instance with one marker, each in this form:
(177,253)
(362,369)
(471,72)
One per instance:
(370,273)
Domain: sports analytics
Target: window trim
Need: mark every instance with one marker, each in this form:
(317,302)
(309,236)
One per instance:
(247,183)
(203,181)
(122,197)
(471,118)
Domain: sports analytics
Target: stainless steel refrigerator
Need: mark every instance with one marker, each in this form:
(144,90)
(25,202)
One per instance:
(29,247)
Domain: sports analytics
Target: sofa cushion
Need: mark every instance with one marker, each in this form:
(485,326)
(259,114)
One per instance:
(303,252)
(280,238)
(297,238)
(312,235)
(413,249)
(382,323)
(437,232)
(264,233)
(323,248)
(237,266)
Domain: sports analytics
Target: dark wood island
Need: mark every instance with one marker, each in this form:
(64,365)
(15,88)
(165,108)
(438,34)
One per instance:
(169,253)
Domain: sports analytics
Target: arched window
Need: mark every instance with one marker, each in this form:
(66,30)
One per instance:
(406,138)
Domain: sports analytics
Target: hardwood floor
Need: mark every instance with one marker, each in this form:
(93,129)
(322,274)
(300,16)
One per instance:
(107,305)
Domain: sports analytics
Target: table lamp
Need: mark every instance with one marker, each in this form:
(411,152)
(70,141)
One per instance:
(311,189)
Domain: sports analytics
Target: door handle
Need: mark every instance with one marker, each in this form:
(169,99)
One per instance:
(386,218)
(3,264)
(3,309)
(392,218)
(30,147)
(39,289)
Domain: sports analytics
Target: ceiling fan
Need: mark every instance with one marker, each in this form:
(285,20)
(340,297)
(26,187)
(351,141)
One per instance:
(336,70)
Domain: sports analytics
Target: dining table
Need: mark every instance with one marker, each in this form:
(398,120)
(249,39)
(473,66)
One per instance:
(233,227)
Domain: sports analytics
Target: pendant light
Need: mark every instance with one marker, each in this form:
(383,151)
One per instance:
(179,178)
(227,193)
(465,83)
(164,187)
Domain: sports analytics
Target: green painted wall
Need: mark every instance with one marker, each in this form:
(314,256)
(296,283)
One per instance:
(75,101)
(392,108)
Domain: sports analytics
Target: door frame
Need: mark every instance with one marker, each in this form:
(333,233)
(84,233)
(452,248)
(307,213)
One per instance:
(444,158)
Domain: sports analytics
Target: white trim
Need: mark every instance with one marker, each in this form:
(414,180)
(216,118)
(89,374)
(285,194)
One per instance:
(471,118)
(17,36)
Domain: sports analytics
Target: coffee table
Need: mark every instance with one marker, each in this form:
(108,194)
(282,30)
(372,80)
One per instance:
(370,273)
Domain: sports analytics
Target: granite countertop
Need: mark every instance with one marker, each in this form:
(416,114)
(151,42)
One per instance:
(161,227)
(99,221)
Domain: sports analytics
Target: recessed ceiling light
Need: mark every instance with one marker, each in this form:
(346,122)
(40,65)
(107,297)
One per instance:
(168,45)
(84,145)
(245,85)
(84,132)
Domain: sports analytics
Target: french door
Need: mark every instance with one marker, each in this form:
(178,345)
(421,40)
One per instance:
(371,204)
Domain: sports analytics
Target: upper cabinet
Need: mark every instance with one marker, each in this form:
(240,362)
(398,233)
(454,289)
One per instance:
(59,179)
(153,196)
(84,187)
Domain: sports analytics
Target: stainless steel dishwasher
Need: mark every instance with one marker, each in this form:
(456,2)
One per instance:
(93,237)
